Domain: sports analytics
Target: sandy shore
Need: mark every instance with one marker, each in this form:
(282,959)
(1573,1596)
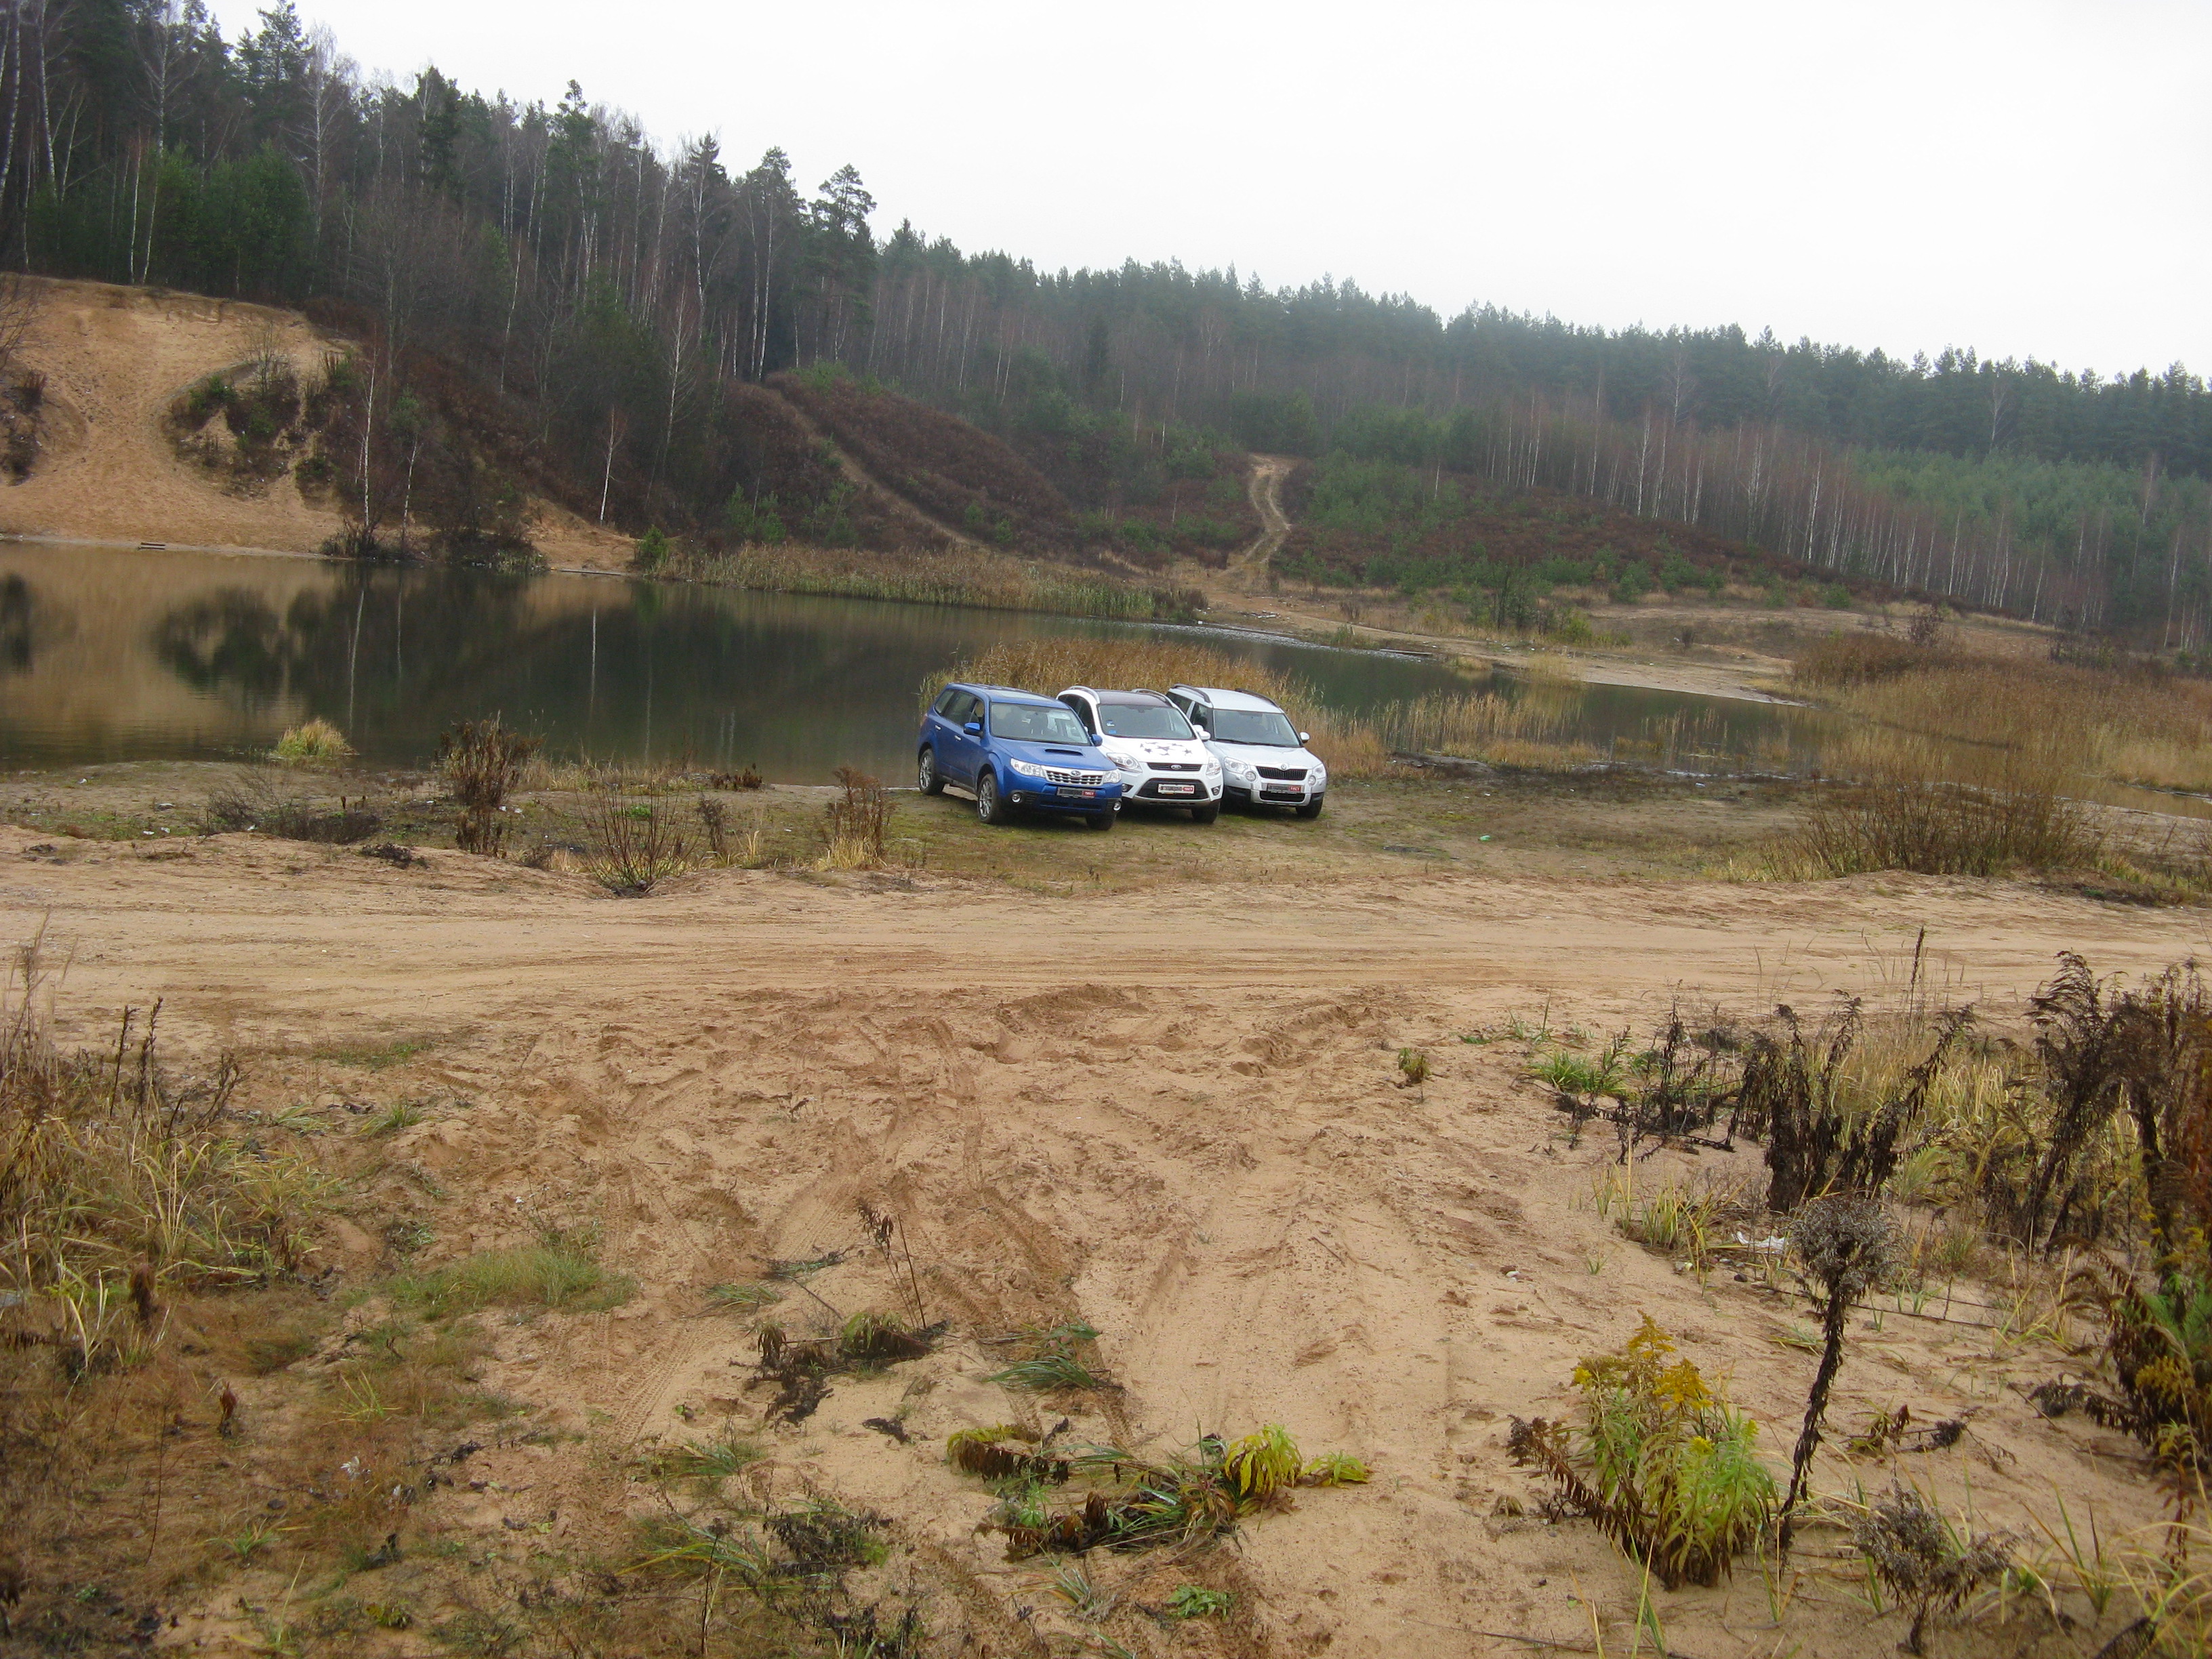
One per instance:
(1176,1117)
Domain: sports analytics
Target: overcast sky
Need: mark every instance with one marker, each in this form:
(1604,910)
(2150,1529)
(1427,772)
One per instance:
(2029,179)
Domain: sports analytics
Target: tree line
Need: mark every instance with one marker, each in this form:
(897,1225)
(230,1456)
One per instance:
(611,293)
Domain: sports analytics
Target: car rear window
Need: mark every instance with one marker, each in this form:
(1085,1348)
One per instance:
(1028,723)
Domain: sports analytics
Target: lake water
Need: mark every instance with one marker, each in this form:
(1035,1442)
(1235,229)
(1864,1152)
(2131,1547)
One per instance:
(112,655)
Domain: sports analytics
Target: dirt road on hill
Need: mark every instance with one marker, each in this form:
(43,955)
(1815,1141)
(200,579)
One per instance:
(1266,489)
(1176,1117)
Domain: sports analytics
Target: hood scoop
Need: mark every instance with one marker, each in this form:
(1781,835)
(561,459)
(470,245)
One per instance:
(1076,753)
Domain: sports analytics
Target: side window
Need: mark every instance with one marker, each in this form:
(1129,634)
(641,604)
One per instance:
(962,708)
(1082,711)
(942,707)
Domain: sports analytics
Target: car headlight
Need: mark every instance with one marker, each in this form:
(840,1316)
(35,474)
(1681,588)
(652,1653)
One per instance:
(1126,763)
(1210,767)
(1027,768)
(1240,770)
(1319,776)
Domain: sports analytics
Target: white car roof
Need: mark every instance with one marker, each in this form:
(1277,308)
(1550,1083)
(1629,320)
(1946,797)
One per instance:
(1221,699)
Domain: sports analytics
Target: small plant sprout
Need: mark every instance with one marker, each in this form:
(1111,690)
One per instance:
(1413,1068)
(1260,1465)
(1196,1601)
(1847,1246)
(1924,1560)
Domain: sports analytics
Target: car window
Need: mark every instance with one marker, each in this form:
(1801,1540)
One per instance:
(962,708)
(945,699)
(1264,727)
(1144,720)
(1082,709)
(1028,723)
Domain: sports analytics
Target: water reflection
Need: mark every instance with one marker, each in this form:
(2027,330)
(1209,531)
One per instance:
(119,655)
(186,655)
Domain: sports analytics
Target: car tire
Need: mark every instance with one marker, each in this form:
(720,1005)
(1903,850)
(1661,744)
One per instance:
(988,807)
(1098,820)
(1311,809)
(925,774)
(1205,814)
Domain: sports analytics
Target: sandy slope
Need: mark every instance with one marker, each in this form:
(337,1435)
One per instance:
(114,358)
(1176,1119)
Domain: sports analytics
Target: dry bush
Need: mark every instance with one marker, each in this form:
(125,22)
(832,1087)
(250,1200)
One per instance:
(263,801)
(1925,1560)
(1940,814)
(714,820)
(1829,1125)
(635,845)
(483,760)
(855,823)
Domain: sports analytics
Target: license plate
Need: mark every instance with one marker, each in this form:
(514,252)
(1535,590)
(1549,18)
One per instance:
(1178,789)
(1067,794)
(1282,789)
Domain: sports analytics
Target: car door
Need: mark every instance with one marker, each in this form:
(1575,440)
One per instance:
(963,747)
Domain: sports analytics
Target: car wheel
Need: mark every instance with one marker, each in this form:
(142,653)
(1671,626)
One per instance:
(988,806)
(925,774)
(1099,820)
(1311,809)
(1205,814)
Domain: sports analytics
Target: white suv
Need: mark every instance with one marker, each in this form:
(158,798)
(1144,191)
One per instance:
(1262,755)
(1162,763)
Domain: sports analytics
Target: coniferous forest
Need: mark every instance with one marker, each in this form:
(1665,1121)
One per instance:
(609,303)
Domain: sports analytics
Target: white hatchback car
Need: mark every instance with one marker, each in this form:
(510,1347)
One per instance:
(1263,756)
(1162,761)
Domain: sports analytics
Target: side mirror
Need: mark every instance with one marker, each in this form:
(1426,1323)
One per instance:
(1305,737)
(974,728)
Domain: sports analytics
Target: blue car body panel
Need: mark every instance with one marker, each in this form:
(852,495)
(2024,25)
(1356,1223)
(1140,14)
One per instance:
(963,755)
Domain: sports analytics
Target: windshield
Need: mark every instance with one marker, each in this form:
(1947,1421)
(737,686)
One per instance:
(1143,719)
(1264,727)
(1030,724)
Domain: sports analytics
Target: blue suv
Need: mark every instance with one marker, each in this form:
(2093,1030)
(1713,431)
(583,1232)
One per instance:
(1013,751)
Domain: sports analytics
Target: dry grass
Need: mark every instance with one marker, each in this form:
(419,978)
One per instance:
(2131,727)
(972,576)
(317,743)
(854,823)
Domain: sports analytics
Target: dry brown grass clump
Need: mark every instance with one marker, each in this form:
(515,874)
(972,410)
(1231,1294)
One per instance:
(855,823)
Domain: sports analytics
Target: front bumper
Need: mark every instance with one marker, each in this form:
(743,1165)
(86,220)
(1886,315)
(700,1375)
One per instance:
(1150,788)
(1274,792)
(1043,795)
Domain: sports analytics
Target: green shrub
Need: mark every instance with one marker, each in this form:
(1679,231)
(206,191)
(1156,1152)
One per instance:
(1665,1465)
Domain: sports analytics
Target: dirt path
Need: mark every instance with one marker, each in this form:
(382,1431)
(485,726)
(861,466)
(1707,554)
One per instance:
(861,479)
(1180,1122)
(1266,490)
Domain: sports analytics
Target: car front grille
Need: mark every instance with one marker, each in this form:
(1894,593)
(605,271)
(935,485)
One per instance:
(1288,775)
(1173,766)
(1084,780)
